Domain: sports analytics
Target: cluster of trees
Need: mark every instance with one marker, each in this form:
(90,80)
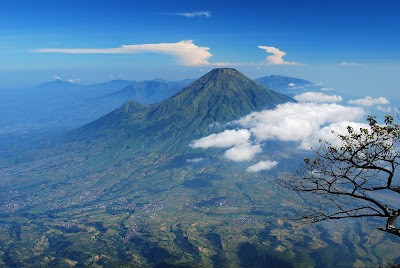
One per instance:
(353,180)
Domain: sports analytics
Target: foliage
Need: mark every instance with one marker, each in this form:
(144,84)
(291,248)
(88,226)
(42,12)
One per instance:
(356,179)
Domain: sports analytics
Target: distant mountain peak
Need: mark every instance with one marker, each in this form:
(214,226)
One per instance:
(58,84)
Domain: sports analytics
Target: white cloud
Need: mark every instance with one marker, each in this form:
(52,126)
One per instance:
(276,57)
(387,109)
(326,134)
(298,87)
(206,14)
(368,101)
(287,122)
(74,80)
(296,121)
(318,84)
(195,160)
(262,165)
(327,89)
(225,139)
(349,63)
(291,84)
(317,97)
(56,77)
(243,152)
(187,53)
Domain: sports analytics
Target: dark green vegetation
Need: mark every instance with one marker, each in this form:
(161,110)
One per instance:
(128,190)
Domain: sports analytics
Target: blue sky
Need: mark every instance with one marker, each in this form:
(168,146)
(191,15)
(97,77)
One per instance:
(318,35)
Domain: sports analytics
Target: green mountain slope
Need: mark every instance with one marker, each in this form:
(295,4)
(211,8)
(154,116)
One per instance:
(218,97)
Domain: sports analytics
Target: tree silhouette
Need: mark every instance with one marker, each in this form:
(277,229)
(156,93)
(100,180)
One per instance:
(353,180)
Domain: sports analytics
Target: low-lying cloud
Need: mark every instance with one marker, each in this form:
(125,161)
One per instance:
(384,109)
(369,101)
(225,139)
(302,122)
(317,97)
(325,134)
(243,152)
(262,165)
(195,160)
(296,121)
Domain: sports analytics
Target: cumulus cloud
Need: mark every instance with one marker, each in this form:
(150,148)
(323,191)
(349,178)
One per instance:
(187,53)
(349,63)
(369,101)
(276,57)
(303,122)
(74,80)
(243,152)
(291,84)
(225,139)
(384,109)
(326,134)
(327,89)
(205,14)
(56,77)
(317,97)
(262,165)
(296,121)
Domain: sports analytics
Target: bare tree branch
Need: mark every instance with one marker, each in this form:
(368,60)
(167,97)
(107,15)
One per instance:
(346,178)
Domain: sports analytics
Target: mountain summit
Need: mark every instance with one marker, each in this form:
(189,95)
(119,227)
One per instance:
(220,96)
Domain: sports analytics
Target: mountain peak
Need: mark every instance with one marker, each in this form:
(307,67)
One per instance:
(224,71)
(218,97)
(221,73)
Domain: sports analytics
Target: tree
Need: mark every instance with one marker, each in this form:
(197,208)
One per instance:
(353,180)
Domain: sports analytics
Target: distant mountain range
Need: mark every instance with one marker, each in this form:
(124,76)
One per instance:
(148,92)
(287,85)
(61,104)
